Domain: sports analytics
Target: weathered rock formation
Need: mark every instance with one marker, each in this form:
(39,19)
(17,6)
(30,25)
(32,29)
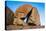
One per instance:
(8,16)
(23,12)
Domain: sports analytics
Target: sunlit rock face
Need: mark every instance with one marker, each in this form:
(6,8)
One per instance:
(34,17)
(22,11)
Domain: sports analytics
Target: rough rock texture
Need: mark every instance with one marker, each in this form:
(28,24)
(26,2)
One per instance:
(14,27)
(8,16)
(23,11)
(20,13)
(34,17)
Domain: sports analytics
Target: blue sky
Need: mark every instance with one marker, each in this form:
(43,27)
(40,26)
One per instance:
(13,5)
